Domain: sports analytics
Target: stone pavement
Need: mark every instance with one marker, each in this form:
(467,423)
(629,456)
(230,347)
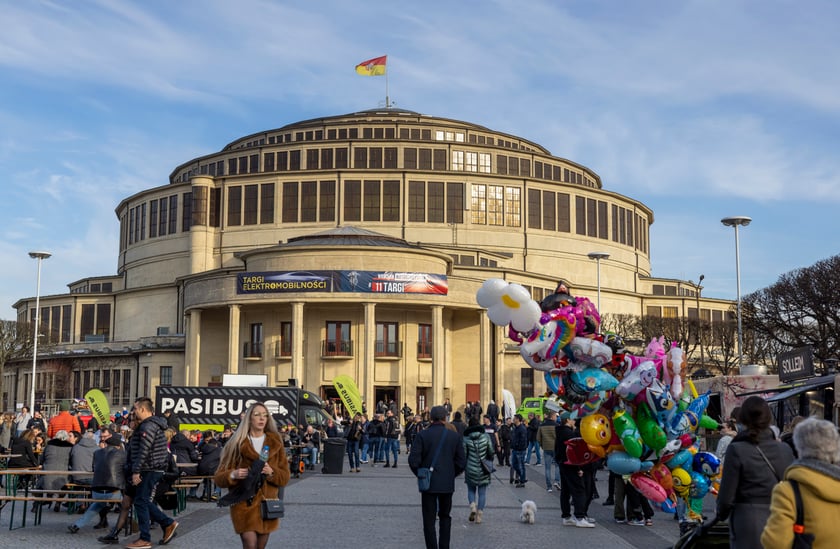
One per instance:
(380,505)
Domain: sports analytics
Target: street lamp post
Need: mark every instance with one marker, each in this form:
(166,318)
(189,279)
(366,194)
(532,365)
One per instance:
(598,256)
(40,256)
(738,221)
(700,320)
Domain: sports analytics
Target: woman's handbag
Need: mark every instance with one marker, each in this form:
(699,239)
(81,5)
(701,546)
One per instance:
(801,540)
(487,465)
(271,509)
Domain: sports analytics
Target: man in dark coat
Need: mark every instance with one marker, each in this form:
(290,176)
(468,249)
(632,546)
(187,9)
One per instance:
(450,463)
(572,488)
(518,445)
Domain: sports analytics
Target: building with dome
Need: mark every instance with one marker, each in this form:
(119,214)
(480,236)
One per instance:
(350,244)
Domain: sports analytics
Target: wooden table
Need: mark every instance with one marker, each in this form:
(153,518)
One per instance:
(12,476)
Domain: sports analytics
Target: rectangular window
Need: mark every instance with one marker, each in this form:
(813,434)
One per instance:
(215,207)
(629,228)
(126,386)
(534,209)
(326,206)
(353,200)
(360,158)
(372,201)
(267,203)
(87,321)
(186,214)
(290,202)
(425,162)
(375,160)
(285,345)
(495,205)
(580,215)
(389,161)
(153,219)
(424,341)
(457,161)
(436,202)
(440,159)
(308,201)
(591,217)
(173,214)
(337,342)
(513,166)
(251,202)
(312,158)
(294,161)
(410,159)
(143,221)
(471,162)
(478,204)
(564,214)
(513,207)
(341,157)
(231,166)
(549,220)
(387,339)
(454,202)
(526,383)
(254,163)
(282,161)
(66,323)
(268,161)
(234,211)
(254,346)
(166,376)
(103,320)
(614,214)
(326,159)
(391,200)
(501,164)
(116,388)
(622,225)
(602,220)
(416,201)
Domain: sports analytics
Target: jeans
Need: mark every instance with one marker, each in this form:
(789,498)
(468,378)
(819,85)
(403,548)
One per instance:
(550,464)
(440,504)
(94,508)
(392,445)
(535,446)
(482,494)
(375,449)
(517,463)
(146,509)
(312,453)
(364,449)
(353,453)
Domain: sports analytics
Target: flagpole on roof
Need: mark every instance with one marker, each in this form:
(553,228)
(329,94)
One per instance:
(387,99)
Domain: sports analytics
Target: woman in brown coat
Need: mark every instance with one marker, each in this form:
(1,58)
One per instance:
(256,438)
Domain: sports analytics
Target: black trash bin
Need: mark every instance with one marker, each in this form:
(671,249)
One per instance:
(334,456)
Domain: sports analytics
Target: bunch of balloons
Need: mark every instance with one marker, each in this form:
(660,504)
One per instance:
(634,411)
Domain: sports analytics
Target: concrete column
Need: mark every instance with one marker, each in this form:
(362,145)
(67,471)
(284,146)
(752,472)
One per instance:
(233,340)
(369,358)
(297,343)
(193,369)
(437,356)
(485,357)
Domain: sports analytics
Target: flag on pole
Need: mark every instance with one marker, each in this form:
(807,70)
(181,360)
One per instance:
(372,67)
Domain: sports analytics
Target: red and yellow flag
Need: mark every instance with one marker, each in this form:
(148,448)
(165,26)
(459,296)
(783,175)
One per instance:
(372,67)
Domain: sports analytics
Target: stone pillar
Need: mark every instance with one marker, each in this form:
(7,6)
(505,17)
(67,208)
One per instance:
(485,358)
(193,370)
(297,343)
(233,340)
(438,380)
(368,364)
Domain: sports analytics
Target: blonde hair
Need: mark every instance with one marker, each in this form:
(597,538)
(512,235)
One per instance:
(231,453)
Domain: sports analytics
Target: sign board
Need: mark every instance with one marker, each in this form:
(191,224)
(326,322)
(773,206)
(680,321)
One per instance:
(375,282)
(796,364)
(245,380)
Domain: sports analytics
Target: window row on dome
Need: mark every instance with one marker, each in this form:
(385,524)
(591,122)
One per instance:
(373,158)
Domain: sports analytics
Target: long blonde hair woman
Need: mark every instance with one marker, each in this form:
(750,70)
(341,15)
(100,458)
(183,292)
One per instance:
(257,438)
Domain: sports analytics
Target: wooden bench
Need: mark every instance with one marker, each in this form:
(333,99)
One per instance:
(37,501)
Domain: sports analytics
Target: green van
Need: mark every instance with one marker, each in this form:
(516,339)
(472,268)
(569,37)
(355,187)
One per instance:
(537,405)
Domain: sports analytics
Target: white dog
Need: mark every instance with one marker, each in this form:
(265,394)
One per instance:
(529,512)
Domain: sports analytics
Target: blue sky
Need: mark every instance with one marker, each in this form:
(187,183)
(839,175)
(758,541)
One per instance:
(699,109)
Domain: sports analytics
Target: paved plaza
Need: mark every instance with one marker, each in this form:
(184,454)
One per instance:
(379,505)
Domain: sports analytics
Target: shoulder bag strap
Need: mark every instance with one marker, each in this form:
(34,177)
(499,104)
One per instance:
(767,461)
(439,446)
(799,525)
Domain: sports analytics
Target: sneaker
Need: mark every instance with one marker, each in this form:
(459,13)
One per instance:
(569,521)
(583,523)
(609,501)
(140,544)
(472,512)
(557,485)
(648,522)
(363,461)
(169,532)
(109,539)
(620,521)
(589,519)
(73,528)
(636,522)
(520,485)
(549,489)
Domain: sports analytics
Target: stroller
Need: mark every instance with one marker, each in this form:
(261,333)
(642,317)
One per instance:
(713,534)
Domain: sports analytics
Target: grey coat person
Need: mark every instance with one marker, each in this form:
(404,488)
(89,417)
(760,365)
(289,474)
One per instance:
(56,457)
(81,458)
(747,485)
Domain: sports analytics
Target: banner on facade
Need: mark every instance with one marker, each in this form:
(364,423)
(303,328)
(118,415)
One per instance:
(375,282)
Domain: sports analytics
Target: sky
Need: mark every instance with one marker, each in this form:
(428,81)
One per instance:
(699,109)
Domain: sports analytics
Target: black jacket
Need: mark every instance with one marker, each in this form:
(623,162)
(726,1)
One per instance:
(148,451)
(108,469)
(519,437)
(211,454)
(562,433)
(22,447)
(450,463)
(184,451)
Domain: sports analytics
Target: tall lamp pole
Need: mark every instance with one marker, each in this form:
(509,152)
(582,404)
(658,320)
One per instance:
(598,256)
(40,256)
(738,221)
(700,320)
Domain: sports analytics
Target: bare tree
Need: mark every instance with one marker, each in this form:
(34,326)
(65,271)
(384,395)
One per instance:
(15,344)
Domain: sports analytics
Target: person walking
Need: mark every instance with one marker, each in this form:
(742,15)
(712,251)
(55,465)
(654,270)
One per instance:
(450,463)
(755,462)
(253,467)
(354,435)
(22,420)
(546,437)
(477,447)
(518,445)
(149,455)
(817,474)
(572,487)
(533,445)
